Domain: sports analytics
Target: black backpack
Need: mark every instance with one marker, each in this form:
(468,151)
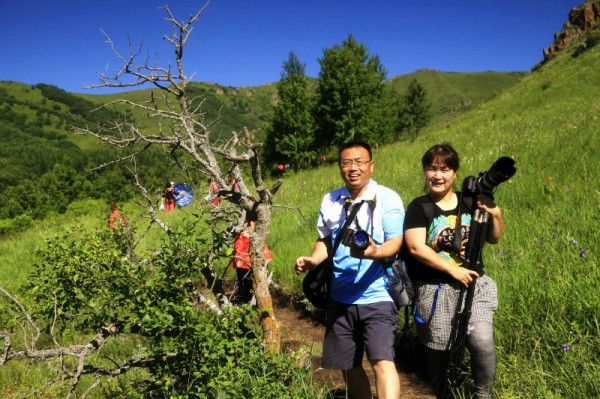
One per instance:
(316,285)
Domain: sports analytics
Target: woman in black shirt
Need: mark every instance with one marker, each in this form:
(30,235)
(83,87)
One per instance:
(430,224)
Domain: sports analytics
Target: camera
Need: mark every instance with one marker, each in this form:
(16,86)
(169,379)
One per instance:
(500,171)
(358,239)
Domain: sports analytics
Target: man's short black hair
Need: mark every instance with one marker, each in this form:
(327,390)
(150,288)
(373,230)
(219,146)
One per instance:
(354,144)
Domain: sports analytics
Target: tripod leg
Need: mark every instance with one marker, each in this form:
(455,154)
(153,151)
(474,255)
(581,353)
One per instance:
(436,369)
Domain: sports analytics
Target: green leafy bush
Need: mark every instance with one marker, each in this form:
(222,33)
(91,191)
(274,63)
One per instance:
(20,223)
(95,279)
(222,357)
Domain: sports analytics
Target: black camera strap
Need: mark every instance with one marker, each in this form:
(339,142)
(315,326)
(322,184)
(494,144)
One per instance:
(353,212)
(457,241)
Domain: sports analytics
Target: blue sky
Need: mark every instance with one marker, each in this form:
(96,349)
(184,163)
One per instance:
(244,42)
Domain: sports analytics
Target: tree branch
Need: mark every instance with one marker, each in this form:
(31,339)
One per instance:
(80,351)
(36,335)
(140,362)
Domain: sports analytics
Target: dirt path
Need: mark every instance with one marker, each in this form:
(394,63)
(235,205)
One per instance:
(298,331)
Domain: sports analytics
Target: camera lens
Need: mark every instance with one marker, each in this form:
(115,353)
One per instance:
(360,240)
(502,170)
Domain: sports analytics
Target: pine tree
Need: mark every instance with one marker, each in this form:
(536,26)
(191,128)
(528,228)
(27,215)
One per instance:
(350,91)
(415,111)
(290,137)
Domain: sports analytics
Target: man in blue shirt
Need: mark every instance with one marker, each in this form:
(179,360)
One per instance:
(361,315)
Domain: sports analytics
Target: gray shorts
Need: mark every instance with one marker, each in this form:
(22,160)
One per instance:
(352,329)
(435,333)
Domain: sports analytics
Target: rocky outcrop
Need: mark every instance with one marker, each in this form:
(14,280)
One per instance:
(582,20)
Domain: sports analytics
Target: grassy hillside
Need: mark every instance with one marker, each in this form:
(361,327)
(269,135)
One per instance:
(451,92)
(546,266)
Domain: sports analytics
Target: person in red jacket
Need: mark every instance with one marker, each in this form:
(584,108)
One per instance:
(116,220)
(242,263)
(169,197)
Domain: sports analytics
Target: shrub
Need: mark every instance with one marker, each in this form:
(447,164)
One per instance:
(95,279)
(19,223)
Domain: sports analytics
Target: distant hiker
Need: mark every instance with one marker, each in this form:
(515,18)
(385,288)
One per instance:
(213,193)
(439,275)
(361,315)
(232,190)
(232,183)
(242,263)
(116,220)
(169,197)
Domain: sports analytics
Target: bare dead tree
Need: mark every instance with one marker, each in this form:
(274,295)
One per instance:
(184,128)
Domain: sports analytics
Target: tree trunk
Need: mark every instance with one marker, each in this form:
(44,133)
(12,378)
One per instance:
(270,325)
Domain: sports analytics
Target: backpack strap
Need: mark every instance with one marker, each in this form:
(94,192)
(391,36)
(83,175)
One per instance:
(429,206)
(429,210)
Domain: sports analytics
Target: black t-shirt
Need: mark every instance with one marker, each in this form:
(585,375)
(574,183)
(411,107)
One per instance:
(440,227)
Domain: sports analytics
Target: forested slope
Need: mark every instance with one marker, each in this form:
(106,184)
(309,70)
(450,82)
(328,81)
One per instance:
(44,166)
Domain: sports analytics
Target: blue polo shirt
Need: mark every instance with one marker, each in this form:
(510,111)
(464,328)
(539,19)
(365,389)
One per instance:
(360,281)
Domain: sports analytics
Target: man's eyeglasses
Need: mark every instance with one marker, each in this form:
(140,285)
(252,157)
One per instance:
(346,163)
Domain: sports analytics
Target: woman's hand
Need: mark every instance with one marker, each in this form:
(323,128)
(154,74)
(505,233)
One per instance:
(463,275)
(486,204)
(497,223)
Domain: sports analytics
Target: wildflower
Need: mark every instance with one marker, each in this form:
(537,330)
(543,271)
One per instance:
(582,253)
(565,347)
(573,241)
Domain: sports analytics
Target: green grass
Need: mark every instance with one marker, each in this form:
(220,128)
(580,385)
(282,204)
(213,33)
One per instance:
(18,251)
(230,107)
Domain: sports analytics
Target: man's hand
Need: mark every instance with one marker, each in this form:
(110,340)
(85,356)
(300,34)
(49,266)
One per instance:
(368,253)
(386,250)
(305,263)
(319,254)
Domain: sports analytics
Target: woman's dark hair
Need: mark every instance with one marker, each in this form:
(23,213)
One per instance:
(442,152)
